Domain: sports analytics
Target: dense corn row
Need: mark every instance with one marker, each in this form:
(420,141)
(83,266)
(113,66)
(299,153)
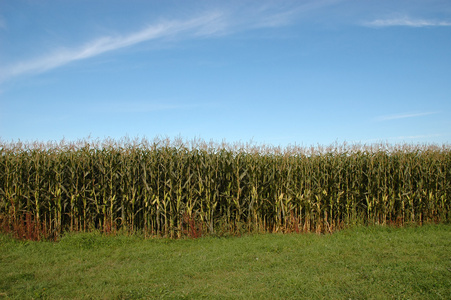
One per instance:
(164,187)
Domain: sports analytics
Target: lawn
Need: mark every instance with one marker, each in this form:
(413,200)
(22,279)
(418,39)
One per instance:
(356,263)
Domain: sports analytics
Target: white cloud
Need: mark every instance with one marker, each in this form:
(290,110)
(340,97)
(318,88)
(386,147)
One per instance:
(276,14)
(216,23)
(403,116)
(201,26)
(405,21)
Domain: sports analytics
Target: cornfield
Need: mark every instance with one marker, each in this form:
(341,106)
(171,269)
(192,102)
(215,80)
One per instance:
(174,188)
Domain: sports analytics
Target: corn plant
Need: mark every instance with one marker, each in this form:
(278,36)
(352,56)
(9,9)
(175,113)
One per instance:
(172,188)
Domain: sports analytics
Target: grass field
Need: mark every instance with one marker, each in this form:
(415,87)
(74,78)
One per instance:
(357,263)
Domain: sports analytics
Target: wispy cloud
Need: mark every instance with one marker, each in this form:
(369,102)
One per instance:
(403,116)
(275,14)
(213,23)
(405,21)
(208,24)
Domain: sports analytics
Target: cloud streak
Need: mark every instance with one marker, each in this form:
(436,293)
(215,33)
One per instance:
(208,24)
(403,116)
(406,22)
(276,14)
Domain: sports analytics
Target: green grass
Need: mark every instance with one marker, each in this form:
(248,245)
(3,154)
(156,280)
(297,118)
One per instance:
(357,263)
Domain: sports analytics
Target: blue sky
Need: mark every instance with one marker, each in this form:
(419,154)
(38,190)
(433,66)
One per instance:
(275,72)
